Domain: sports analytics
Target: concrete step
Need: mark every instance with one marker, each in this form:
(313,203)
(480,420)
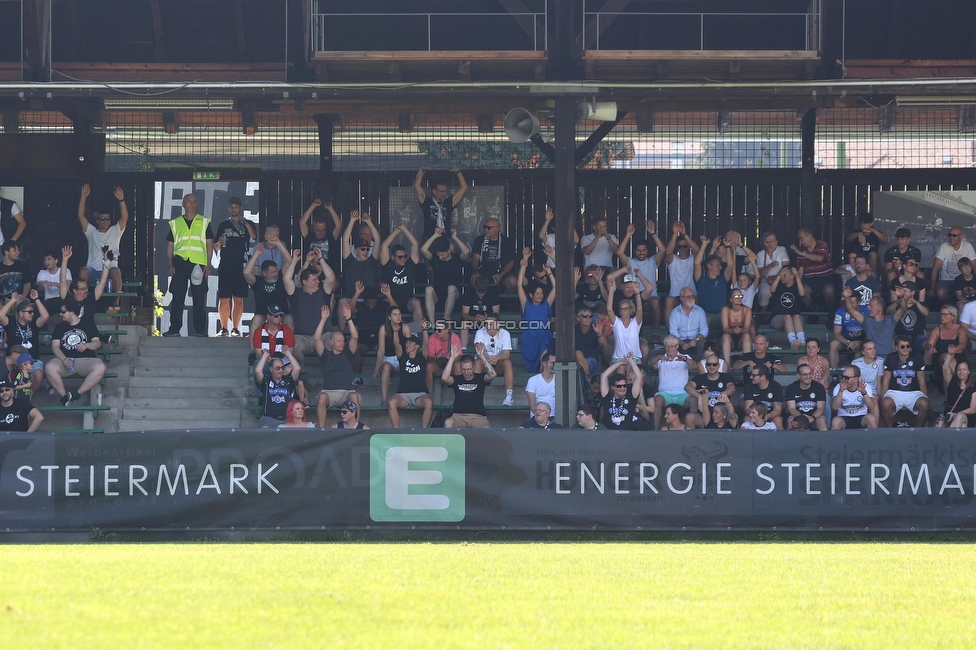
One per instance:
(238,374)
(229,415)
(167,403)
(196,360)
(163,423)
(154,392)
(202,386)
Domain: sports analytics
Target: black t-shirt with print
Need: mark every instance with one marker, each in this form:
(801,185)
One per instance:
(806,398)
(904,374)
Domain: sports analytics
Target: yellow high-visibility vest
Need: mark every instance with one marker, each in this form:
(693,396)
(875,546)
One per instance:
(190,242)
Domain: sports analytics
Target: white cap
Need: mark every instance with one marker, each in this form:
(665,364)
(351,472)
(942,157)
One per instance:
(197,276)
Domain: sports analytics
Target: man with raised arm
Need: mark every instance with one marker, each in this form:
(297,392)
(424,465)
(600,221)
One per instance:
(437,207)
(102,235)
(338,371)
(278,387)
(642,261)
(320,235)
(619,397)
(307,301)
(446,257)
(401,269)
(469,389)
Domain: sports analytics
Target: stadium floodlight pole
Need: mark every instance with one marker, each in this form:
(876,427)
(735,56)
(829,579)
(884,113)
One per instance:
(565,209)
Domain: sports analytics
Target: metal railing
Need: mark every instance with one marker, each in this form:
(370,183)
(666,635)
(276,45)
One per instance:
(323,22)
(595,22)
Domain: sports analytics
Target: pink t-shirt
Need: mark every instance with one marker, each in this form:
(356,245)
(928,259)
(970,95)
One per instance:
(439,349)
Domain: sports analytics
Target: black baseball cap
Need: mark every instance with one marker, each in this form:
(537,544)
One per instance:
(275,309)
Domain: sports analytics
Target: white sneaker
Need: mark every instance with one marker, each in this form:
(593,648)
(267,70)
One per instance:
(508,401)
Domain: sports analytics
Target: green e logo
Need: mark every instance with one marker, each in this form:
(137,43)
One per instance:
(416,477)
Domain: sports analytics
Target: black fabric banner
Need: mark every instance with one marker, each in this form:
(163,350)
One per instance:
(894,479)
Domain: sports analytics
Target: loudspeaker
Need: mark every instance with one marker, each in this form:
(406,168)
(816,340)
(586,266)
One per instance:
(520,125)
(597,111)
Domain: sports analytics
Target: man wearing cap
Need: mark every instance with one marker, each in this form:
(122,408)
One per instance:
(21,333)
(189,247)
(277,388)
(413,380)
(629,286)
(17,414)
(349,417)
(102,236)
(338,370)
(74,345)
(233,236)
(273,336)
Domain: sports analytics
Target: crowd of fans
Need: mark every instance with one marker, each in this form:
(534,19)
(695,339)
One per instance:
(430,309)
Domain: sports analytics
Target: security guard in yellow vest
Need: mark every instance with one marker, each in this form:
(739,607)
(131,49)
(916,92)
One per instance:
(189,244)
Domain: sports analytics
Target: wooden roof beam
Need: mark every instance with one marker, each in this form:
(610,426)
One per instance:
(159,51)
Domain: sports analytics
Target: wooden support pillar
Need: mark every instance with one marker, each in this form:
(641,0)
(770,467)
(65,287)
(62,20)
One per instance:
(808,170)
(566,207)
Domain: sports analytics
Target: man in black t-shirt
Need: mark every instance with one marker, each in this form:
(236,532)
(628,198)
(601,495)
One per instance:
(308,300)
(320,235)
(620,398)
(903,384)
(269,289)
(17,414)
(913,314)
(589,342)
(493,256)
(479,302)
(14,274)
(447,272)
(338,365)
(807,397)
(896,256)
(74,345)
(277,388)
(713,382)
(437,207)
(469,389)
(232,238)
(767,391)
(401,270)
(760,355)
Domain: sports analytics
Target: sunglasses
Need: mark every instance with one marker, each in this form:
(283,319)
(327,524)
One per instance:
(711,365)
(28,311)
(6,388)
(486,227)
(64,311)
(397,257)
(620,385)
(345,412)
(364,248)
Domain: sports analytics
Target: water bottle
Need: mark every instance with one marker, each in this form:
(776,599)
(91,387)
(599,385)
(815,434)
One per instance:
(108,285)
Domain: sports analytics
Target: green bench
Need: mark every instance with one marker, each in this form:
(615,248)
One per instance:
(89,412)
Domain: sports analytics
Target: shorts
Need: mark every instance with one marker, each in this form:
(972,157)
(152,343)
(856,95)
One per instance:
(673,398)
(905,399)
(83,366)
(470,421)
(411,398)
(393,361)
(94,275)
(336,396)
(853,421)
(231,284)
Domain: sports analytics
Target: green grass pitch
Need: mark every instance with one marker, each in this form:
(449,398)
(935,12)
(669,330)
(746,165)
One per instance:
(488,595)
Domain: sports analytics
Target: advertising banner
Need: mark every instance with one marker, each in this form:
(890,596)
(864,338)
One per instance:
(881,479)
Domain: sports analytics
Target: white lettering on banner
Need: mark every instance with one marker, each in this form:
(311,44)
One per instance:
(136,475)
(908,483)
(647,473)
(399,478)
